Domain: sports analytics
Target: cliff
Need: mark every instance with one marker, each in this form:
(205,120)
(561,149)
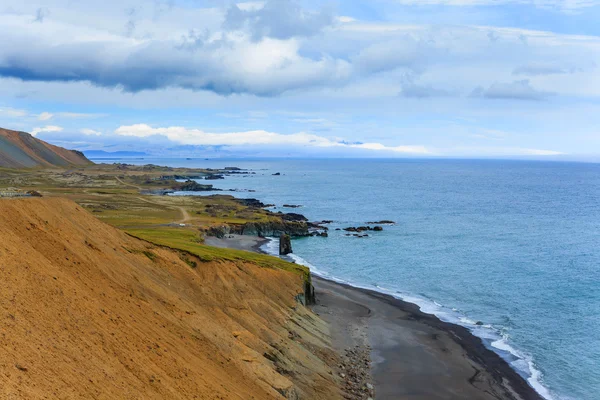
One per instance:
(90,312)
(21,150)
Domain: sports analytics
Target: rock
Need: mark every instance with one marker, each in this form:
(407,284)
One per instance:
(479,323)
(277,174)
(369,386)
(214,177)
(382,222)
(291,206)
(378,229)
(285,244)
(294,217)
(193,186)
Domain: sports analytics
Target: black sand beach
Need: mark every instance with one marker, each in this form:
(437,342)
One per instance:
(415,356)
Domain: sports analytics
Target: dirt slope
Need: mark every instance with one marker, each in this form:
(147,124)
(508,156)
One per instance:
(21,150)
(89,312)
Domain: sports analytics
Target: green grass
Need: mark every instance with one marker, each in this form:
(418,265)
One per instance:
(189,241)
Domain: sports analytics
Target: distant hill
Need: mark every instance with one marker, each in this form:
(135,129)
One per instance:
(21,150)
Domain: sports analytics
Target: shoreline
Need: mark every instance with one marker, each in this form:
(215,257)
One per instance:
(413,355)
(416,355)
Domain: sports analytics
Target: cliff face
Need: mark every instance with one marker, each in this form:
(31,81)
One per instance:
(21,150)
(90,312)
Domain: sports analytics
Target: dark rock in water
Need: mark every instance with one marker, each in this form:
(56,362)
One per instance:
(232,169)
(214,177)
(277,174)
(326,221)
(193,186)
(338,229)
(382,222)
(378,229)
(285,244)
(324,234)
(291,206)
(479,323)
(294,217)
(251,203)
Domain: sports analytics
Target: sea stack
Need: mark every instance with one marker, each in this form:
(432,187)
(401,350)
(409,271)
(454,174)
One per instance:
(285,244)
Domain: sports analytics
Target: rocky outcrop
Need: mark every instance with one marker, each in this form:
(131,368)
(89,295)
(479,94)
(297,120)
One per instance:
(273,228)
(285,245)
(193,186)
(363,229)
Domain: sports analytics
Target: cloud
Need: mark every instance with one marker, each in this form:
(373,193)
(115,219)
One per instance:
(90,132)
(563,5)
(517,90)
(13,112)
(47,128)
(45,116)
(185,136)
(227,65)
(279,19)
(416,91)
(40,14)
(544,69)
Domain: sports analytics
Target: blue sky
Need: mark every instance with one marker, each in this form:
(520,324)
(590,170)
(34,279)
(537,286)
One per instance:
(378,78)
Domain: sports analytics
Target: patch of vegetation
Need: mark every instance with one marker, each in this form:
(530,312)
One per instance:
(189,241)
(149,254)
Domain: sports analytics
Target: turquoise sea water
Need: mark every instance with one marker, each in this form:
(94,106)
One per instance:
(513,244)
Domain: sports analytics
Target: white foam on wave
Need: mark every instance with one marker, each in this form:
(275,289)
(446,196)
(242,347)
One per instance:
(522,362)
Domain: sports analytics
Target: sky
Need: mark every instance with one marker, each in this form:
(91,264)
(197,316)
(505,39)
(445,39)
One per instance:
(360,78)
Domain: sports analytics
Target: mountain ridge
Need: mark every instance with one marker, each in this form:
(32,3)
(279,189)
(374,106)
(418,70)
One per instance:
(22,150)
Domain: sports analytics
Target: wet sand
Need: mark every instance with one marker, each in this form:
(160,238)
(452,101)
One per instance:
(415,356)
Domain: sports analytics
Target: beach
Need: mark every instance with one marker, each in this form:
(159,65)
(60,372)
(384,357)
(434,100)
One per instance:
(412,355)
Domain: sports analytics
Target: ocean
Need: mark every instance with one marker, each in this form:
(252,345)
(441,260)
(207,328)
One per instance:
(510,249)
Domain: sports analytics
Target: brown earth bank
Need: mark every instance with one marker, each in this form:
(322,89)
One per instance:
(414,356)
(21,150)
(87,311)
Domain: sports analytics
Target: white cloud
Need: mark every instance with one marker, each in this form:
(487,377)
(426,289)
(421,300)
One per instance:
(47,128)
(564,5)
(198,137)
(90,132)
(13,112)
(45,116)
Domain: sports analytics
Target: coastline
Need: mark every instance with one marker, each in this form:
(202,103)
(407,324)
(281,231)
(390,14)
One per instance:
(412,354)
(415,355)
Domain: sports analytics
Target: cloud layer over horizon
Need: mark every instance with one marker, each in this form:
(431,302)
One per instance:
(376,75)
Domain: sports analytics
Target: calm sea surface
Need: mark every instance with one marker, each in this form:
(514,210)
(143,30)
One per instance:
(512,244)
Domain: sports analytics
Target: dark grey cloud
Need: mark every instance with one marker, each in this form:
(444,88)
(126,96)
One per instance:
(517,90)
(157,65)
(279,19)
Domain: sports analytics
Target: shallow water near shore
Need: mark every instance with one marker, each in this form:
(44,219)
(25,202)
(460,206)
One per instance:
(513,245)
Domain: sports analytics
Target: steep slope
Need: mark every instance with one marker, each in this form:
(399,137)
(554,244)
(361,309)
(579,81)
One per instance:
(21,150)
(89,312)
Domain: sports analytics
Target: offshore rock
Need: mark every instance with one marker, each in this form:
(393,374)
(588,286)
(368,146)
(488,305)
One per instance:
(285,244)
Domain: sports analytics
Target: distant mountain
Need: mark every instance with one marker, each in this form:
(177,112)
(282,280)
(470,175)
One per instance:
(113,154)
(21,150)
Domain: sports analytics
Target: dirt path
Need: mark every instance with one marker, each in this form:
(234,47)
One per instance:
(185,216)
(128,184)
